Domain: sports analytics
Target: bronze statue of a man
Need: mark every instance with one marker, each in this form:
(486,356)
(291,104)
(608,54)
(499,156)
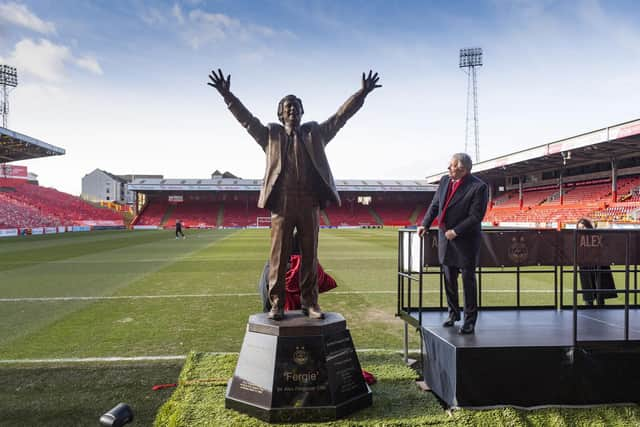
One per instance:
(297,183)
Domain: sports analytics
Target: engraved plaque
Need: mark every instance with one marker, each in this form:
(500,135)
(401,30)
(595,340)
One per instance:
(297,369)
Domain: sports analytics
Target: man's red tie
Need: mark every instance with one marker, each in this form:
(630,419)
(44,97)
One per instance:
(453,187)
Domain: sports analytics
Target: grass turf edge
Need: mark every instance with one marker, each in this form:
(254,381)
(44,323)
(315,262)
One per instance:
(396,399)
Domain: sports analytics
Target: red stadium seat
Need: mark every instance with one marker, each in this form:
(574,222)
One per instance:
(27,205)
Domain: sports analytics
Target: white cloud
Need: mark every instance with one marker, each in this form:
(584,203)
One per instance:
(46,60)
(528,8)
(89,63)
(202,28)
(42,59)
(211,27)
(619,30)
(19,14)
(199,28)
(176,11)
(153,16)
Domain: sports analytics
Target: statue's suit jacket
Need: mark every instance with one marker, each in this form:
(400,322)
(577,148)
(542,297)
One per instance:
(314,135)
(464,216)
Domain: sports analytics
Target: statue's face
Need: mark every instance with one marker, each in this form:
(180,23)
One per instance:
(291,112)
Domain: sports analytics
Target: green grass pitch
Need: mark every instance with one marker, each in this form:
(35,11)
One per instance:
(126,294)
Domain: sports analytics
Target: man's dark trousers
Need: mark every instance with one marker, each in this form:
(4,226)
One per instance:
(470,292)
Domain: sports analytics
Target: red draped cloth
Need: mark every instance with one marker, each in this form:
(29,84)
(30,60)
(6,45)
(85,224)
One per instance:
(292,295)
(292,283)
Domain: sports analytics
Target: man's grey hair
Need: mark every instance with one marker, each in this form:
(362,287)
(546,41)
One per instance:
(464,159)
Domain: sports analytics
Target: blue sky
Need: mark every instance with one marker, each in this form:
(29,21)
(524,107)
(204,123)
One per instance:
(121,85)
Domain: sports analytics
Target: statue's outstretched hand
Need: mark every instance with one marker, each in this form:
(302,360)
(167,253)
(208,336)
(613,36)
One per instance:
(370,82)
(219,82)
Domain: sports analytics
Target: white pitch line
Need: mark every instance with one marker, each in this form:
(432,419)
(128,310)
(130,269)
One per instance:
(123,297)
(241,294)
(154,358)
(94,359)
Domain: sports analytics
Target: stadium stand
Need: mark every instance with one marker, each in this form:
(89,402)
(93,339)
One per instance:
(234,213)
(540,214)
(201,213)
(152,213)
(541,205)
(599,172)
(242,213)
(589,198)
(507,200)
(633,196)
(587,193)
(618,212)
(629,189)
(194,214)
(15,214)
(364,202)
(350,214)
(537,196)
(394,213)
(26,205)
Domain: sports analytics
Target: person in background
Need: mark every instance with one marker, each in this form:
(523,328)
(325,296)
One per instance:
(179,229)
(595,277)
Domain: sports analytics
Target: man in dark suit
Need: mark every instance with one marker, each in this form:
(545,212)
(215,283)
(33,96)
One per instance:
(459,205)
(297,183)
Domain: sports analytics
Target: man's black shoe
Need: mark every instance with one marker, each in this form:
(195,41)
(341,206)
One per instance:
(450,321)
(466,329)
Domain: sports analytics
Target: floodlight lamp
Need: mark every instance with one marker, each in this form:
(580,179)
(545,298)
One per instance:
(8,76)
(471,57)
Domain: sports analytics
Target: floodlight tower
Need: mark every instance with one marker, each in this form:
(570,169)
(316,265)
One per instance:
(471,58)
(8,79)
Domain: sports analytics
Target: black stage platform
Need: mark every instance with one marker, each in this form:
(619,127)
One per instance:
(557,354)
(535,328)
(528,357)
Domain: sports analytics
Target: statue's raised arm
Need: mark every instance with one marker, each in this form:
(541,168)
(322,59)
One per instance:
(222,84)
(297,183)
(334,123)
(369,83)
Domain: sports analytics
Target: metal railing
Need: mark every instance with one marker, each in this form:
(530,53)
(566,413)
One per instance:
(519,253)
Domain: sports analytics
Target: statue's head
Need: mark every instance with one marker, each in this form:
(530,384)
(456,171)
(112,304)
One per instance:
(290,110)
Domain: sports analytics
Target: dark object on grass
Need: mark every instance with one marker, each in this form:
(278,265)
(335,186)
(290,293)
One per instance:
(118,416)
